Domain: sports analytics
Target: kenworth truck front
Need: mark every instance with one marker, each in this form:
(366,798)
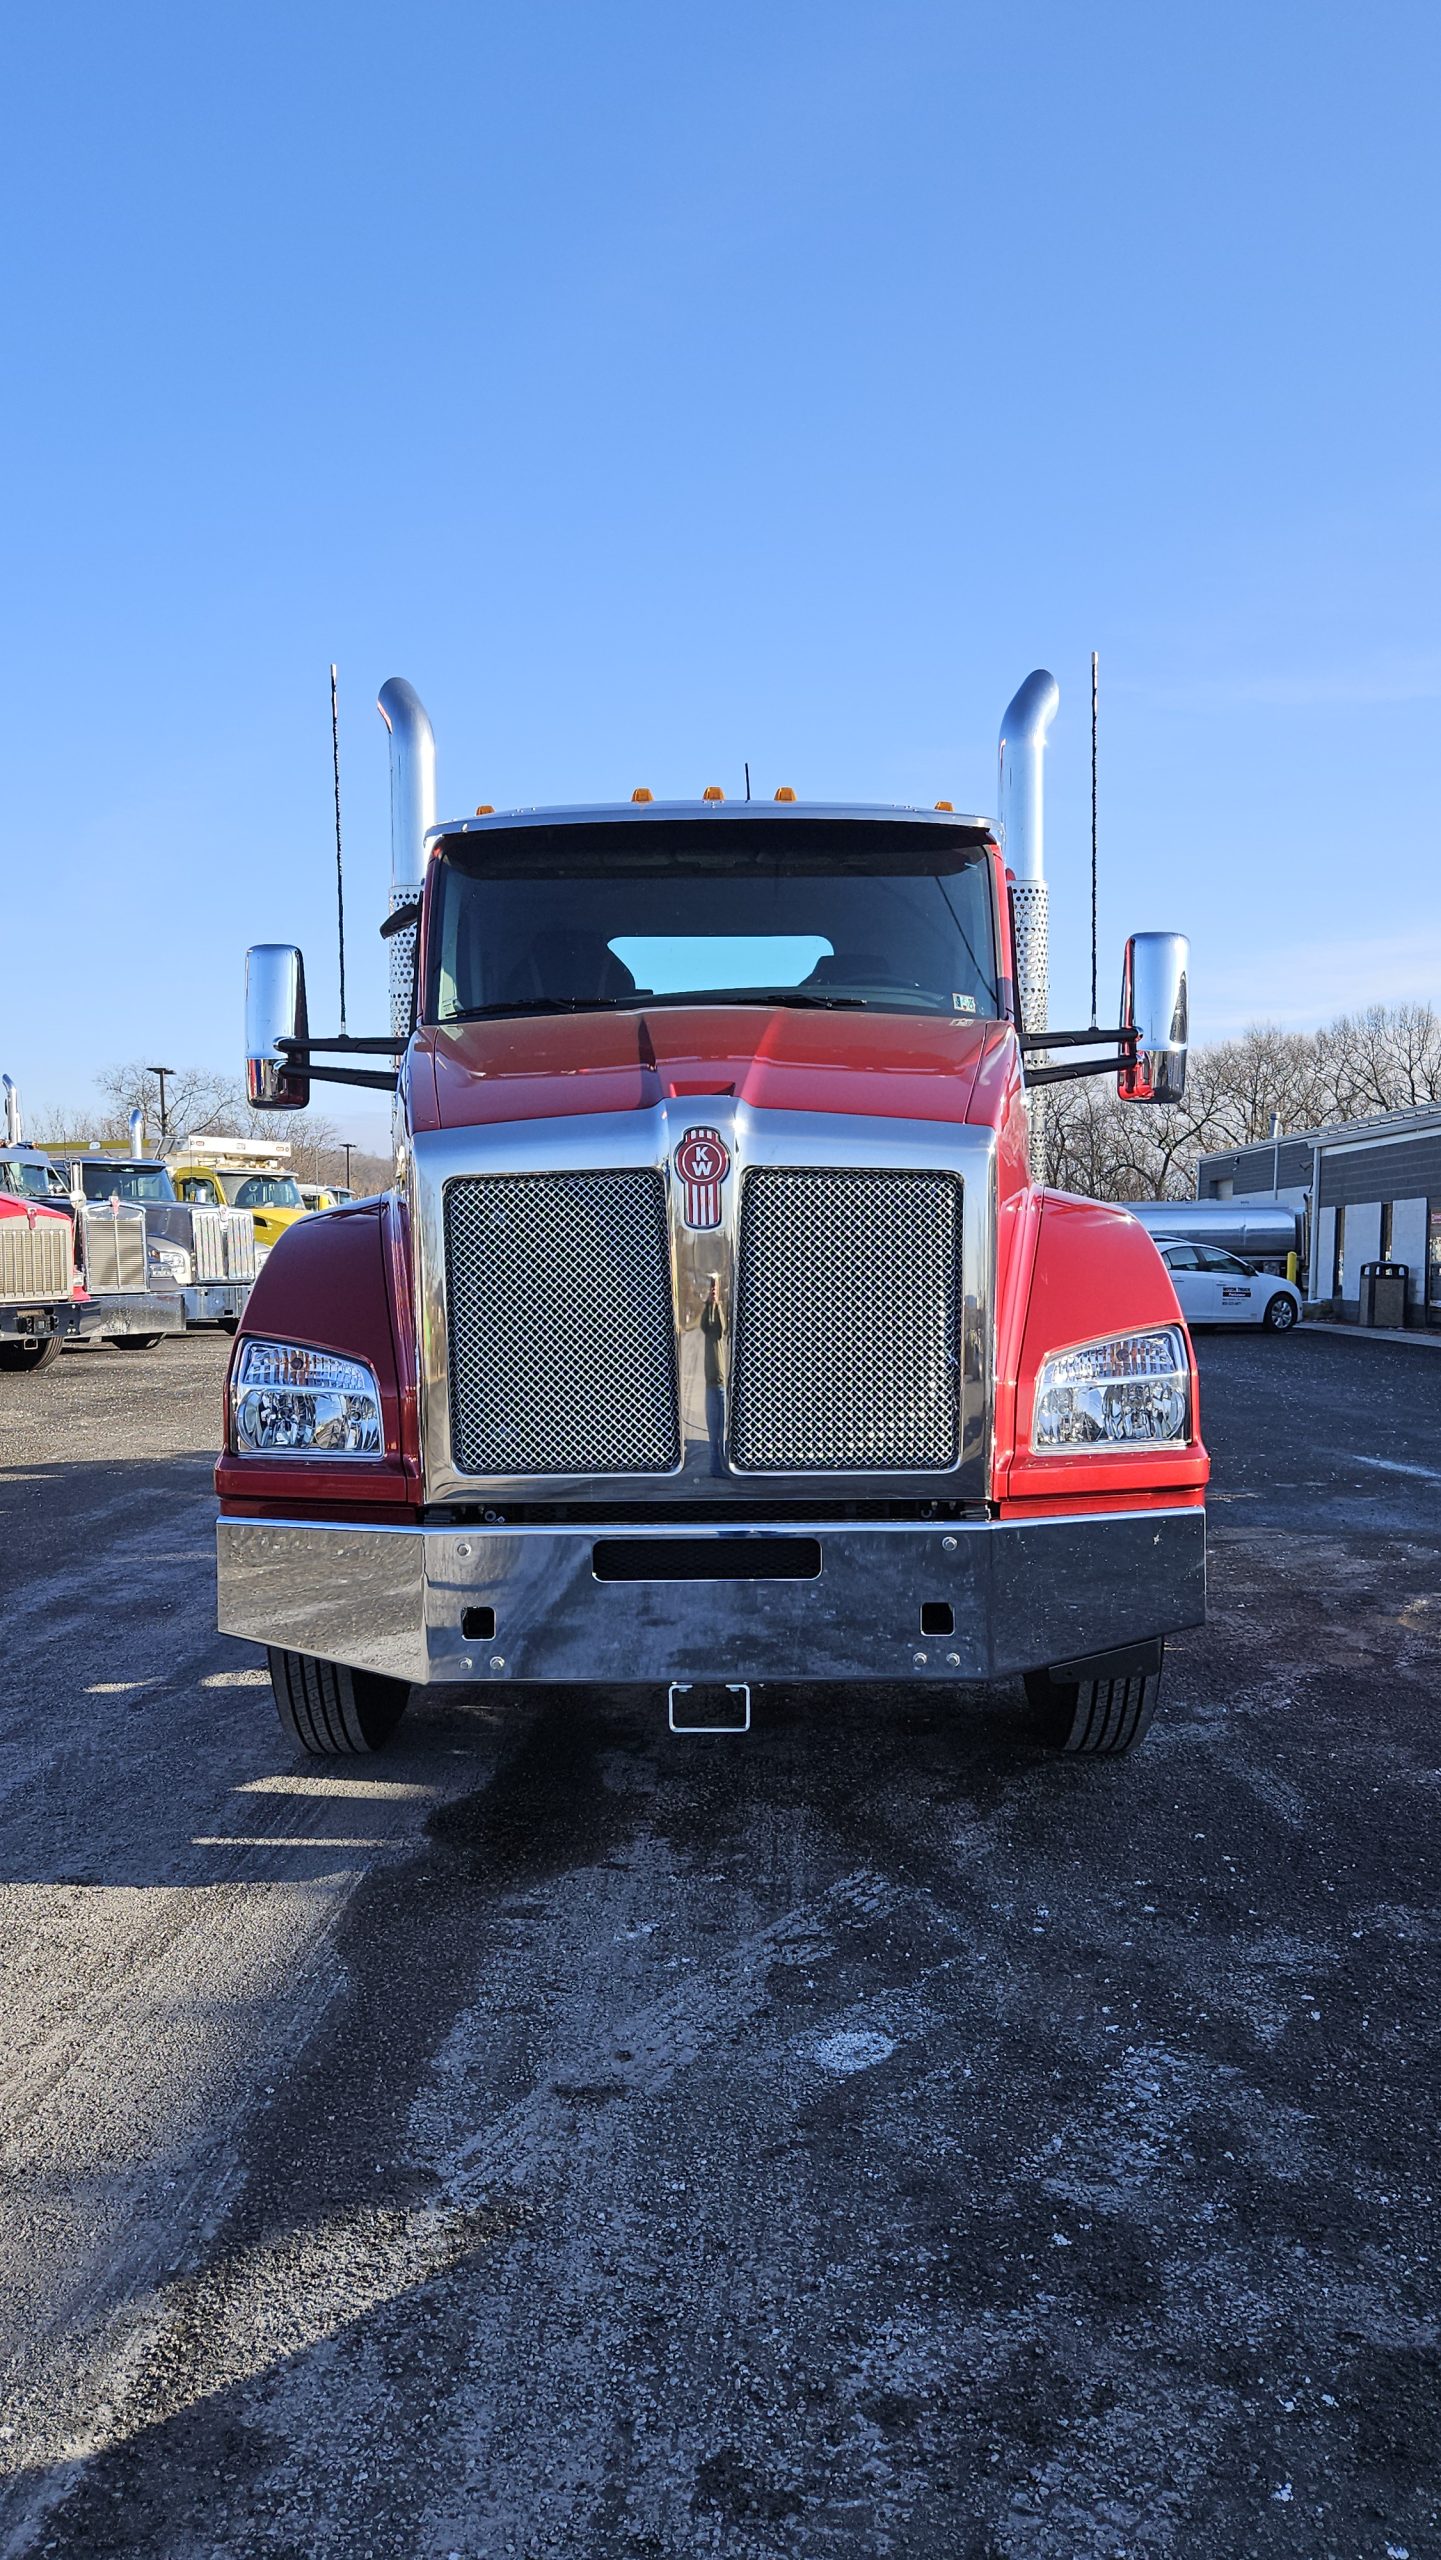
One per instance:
(716,1330)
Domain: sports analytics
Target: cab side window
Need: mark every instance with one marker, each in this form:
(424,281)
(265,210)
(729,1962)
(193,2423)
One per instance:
(1181,1257)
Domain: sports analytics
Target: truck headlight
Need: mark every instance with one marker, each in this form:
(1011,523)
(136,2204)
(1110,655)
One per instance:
(308,1403)
(171,1264)
(1131,1391)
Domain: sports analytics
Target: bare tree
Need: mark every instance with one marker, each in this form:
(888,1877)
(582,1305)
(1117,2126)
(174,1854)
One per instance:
(202,1104)
(1386,1058)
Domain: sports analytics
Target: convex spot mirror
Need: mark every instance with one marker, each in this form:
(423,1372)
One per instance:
(1154,1005)
(275,1011)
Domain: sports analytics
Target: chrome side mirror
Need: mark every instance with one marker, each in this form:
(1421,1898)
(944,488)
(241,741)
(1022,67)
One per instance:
(1154,1006)
(275,1011)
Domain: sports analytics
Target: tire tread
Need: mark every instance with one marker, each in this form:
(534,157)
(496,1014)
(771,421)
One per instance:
(331,1710)
(1094,1719)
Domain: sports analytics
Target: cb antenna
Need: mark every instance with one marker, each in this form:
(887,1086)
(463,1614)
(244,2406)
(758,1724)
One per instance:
(1095,705)
(339,855)
(748,779)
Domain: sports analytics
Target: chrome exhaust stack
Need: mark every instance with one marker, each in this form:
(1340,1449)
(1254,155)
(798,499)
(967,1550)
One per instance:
(1021,816)
(1021,822)
(14,1124)
(412,815)
(135,1124)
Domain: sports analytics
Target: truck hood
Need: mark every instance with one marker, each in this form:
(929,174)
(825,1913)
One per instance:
(773,1057)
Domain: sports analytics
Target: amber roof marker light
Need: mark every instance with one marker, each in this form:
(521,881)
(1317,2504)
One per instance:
(785,792)
(642,794)
(712,791)
(948,805)
(485,809)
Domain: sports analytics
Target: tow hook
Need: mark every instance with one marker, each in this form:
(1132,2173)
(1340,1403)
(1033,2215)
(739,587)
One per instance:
(710,1706)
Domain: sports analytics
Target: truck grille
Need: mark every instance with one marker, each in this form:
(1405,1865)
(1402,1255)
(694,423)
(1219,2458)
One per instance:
(846,1322)
(34,1261)
(114,1250)
(224,1243)
(562,1336)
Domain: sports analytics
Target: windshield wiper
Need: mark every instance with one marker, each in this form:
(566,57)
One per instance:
(758,996)
(541,1004)
(641,1003)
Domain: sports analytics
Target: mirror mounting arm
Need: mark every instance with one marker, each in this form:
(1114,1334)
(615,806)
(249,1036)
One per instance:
(392,1046)
(372,1076)
(1081,1067)
(1090,1039)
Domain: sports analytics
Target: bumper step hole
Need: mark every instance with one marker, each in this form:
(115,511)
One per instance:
(477,1622)
(938,1618)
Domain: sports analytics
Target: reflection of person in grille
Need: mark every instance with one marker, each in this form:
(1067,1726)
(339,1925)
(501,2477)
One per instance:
(712,1325)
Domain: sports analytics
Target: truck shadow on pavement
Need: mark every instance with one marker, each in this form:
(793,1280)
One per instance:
(866,2135)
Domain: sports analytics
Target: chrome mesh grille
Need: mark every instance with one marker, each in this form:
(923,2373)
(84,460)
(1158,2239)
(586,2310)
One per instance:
(34,1261)
(562,1337)
(847,1322)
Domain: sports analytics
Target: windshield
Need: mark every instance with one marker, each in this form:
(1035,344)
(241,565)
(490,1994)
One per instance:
(126,1182)
(885,914)
(36,1179)
(264,1191)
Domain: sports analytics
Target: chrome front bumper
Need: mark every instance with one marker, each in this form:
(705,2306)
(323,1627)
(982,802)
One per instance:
(429,1605)
(209,1301)
(101,1319)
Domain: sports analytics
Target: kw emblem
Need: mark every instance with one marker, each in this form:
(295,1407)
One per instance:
(701,1164)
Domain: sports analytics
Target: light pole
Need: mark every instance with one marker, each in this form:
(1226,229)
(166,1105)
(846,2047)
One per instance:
(349,1147)
(162,1073)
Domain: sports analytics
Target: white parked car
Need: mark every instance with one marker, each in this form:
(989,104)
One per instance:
(1218,1288)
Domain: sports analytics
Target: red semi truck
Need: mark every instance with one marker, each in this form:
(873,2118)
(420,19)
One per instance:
(717,1330)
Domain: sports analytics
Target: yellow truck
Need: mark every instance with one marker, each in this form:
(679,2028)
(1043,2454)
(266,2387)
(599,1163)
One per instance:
(239,1174)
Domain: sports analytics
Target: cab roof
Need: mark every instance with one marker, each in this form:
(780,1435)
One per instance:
(710,813)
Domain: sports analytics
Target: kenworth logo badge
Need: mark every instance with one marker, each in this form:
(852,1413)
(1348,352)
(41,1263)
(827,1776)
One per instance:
(701,1165)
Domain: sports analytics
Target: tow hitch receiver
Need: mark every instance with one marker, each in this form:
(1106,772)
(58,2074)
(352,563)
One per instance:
(710,1706)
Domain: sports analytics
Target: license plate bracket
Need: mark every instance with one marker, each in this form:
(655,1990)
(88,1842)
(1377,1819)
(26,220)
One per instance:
(709,1706)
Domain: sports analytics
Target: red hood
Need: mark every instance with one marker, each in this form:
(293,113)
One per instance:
(14,1204)
(774,1057)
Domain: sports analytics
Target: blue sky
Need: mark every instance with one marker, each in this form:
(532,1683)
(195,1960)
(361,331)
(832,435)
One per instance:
(658,388)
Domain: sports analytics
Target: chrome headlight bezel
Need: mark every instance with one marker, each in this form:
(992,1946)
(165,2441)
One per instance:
(288,1401)
(1088,1393)
(168,1264)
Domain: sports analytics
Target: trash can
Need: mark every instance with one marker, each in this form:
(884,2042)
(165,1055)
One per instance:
(1383,1295)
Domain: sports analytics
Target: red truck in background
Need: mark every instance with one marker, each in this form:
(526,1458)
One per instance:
(39,1283)
(717,1329)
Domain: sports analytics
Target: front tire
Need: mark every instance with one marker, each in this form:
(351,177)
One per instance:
(31,1355)
(329,1709)
(1280,1313)
(1101,1714)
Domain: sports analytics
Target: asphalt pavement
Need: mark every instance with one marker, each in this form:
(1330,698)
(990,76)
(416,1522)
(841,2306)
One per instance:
(868,2137)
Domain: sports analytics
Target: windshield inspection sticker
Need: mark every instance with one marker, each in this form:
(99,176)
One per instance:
(962,1004)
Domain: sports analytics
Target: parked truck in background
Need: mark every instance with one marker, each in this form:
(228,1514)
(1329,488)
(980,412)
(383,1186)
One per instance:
(38,1278)
(247,1177)
(198,1263)
(114,1290)
(717,1330)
